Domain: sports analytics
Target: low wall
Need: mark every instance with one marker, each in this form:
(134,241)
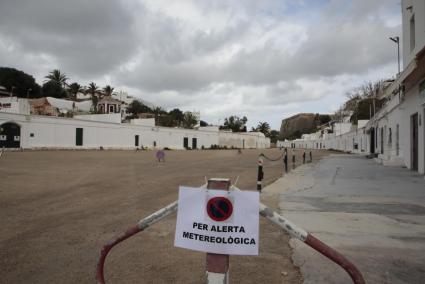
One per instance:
(57,132)
(356,141)
(243,140)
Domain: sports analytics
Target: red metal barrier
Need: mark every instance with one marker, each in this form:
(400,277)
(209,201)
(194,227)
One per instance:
(141,225)
(313,242)
(106,248)
(266,212)
(336,257)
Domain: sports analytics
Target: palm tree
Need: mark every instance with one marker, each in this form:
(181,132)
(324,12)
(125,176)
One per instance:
(74,89)
(93,90)
(108,90)
(264,128)
(57,77)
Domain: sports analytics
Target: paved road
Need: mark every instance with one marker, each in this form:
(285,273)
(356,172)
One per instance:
(373,214)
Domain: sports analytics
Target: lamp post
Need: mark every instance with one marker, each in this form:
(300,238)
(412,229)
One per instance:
(396,39)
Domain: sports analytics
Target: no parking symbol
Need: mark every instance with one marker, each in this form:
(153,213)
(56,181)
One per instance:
(219,208)
(218,221)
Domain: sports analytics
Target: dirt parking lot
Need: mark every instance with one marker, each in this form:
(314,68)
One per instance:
(58,208)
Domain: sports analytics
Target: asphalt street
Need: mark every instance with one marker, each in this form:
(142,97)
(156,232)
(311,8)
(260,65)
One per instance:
(374,215)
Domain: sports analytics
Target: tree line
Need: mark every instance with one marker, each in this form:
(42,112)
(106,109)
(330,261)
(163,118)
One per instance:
(57,85)
(364,101)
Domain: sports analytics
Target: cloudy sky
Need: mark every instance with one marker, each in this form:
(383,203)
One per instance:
(266,60)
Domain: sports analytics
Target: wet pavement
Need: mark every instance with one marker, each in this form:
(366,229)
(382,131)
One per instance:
(374,215)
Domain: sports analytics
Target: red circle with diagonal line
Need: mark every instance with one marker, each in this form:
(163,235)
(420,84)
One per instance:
(219,208)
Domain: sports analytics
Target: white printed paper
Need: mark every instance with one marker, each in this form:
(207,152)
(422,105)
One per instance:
(217,221)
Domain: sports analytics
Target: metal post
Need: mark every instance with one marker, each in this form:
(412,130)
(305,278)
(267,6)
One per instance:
(285,160)
(311,157)
(304,157)
(260,174)
(217,266)
(398,54)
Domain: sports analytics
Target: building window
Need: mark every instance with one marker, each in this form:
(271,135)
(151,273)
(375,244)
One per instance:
(412,33)
(390,136)
(31,134)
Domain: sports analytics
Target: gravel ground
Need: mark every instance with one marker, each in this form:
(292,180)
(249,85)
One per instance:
(58,208)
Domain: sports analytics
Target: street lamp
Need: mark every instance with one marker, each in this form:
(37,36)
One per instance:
(28,93)
(396,39)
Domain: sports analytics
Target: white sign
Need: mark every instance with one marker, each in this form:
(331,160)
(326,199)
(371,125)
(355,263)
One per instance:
(217,221)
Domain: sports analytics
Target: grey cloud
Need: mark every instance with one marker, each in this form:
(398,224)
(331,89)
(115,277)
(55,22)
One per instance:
(338,43)
(177,64)
(85,37)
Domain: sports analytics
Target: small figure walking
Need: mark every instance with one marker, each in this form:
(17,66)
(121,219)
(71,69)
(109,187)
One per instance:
(304,157)
(285,160)
(160,155)
(311,157)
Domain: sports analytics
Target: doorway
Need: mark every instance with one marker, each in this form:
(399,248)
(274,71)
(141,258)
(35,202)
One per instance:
(186,142)
(194,143)
(414,141)
(10,135)
(136,140)
(382,140)
(372,140)
(79,137)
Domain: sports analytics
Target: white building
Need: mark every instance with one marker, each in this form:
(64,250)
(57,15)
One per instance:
(86,132)
(395,134)
(412,105)
(14,105)
(65,106)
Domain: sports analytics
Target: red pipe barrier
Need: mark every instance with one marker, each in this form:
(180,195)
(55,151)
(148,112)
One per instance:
(336,257)
(106,248)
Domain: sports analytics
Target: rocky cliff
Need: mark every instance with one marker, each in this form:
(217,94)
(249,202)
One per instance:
(294,126)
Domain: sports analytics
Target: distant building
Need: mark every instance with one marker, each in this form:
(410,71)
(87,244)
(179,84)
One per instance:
(3,91)
(14,105)
(108,105)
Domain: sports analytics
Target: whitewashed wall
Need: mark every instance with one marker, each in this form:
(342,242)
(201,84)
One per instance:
(106,117)
(55,132)
(411,105)
(243,140)
(392,114)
